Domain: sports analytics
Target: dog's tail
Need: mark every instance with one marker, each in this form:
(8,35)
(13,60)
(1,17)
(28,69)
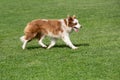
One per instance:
(22,39)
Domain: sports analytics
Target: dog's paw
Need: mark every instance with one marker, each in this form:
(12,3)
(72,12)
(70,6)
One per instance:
(75,48)
(44,46)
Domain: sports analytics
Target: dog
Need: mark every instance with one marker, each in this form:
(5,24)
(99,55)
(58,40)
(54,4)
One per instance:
(55,29)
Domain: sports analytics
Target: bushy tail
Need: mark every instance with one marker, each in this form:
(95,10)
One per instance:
(22,38)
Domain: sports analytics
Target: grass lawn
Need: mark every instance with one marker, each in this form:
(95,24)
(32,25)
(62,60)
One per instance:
(98,56)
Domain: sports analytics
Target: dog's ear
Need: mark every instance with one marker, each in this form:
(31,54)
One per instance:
(70,18)
(74,16)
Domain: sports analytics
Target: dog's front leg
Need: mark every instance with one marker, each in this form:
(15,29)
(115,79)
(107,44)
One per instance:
(68,42)
(53,41)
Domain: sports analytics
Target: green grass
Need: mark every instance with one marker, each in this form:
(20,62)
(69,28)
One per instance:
(98,56)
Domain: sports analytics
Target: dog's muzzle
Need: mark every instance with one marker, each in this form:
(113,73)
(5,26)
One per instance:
(76,29)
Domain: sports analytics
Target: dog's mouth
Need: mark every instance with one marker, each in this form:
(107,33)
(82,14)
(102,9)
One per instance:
(76,29)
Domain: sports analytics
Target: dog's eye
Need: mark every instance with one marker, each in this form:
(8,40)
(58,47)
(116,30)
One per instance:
(75,23)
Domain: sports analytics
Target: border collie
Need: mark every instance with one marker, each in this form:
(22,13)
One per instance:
(55,29)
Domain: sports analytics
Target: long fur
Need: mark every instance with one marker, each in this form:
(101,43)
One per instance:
(56,29)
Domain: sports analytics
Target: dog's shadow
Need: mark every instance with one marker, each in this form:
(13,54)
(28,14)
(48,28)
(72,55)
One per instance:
(77,45)
(60,46)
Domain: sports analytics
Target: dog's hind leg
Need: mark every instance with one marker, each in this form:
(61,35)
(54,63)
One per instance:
(26,38)
(41,43)
(53,41)
(24,42)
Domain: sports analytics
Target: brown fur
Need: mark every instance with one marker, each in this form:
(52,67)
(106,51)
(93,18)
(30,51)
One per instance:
(70,22)
(53,28)
(38,28)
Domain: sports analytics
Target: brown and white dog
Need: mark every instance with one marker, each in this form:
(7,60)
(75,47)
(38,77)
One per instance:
(53,28)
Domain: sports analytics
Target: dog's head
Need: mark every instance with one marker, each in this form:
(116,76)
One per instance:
(73,22)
